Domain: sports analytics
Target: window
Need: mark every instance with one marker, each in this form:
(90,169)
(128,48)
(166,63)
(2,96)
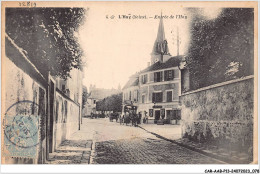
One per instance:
(158,76)
(157,97)
(143,98)
(130,95)
(169,96)
(144,79)
(136,95)
(94,101)
(168,75)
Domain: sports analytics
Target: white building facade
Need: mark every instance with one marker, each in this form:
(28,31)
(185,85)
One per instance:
(158,87)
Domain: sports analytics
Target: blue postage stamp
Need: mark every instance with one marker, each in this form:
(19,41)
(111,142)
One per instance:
(21,130)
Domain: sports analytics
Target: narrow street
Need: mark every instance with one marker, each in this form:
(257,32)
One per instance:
(103,142)
(183,78)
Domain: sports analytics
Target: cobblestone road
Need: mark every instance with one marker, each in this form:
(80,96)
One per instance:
(102,142)
(119,144)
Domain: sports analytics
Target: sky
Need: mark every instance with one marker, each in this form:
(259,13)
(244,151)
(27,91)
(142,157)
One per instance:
(114,49)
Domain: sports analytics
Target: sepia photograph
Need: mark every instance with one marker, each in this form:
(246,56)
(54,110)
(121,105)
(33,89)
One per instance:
(129,83)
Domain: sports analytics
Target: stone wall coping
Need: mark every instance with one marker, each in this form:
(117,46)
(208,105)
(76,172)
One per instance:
(20,50)
(219,84)
(66,97)
(221,121)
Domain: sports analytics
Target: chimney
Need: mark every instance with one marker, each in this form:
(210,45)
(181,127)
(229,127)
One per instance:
(148,64)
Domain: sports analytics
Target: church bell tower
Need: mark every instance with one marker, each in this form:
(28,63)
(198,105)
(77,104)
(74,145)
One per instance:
(160,50)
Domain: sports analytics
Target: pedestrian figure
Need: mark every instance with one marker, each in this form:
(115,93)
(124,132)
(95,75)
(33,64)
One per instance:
(127,119)
(139,118)
(135,120)
(116,116)
(110,118)
(123,119)
(146,117)
(132,118)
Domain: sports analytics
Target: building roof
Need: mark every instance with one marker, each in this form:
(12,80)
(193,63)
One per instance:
(172,62)
(133,81)
(100,93)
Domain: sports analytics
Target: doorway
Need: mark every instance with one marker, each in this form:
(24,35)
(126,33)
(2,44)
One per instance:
(157,115)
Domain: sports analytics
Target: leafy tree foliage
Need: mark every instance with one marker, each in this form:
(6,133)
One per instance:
(111,103)
(84,96)
(47,36)
(221,49)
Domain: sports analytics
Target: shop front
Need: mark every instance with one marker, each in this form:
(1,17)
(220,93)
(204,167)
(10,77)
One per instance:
(160,114)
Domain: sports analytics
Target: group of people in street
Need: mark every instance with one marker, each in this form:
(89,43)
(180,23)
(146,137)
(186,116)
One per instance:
(130,118)
(125,118)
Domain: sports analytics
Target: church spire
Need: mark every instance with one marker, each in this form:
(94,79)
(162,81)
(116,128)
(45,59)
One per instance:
(160,34)
(160,47)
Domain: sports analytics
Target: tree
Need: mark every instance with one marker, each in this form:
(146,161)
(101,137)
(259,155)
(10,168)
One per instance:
(111,103)
(47,36)
(221,49)
(84,96)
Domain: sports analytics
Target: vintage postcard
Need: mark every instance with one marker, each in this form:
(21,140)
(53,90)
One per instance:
(129,83)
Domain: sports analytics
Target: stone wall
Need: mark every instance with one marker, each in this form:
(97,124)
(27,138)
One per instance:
(66,118)
(220,114)
(20,86)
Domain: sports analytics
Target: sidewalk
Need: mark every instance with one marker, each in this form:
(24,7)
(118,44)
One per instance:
(76,149)
(72,152)
(168,131)
(172,133)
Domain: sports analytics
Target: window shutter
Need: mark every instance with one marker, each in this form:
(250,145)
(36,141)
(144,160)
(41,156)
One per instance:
(161,76)
(153,98)
(155,77)
(165,75)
